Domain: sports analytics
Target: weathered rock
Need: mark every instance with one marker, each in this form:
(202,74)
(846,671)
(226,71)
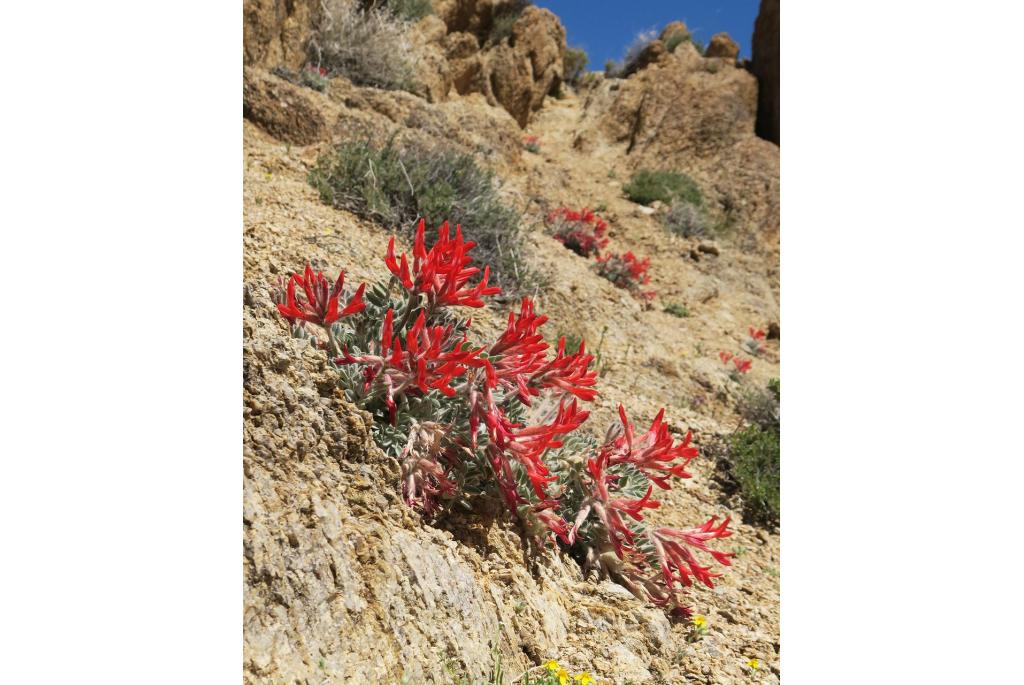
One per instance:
(652,53)
(519,73)
(286,111)
(275,33)
(433,72)
(676,114)
(765,65)
(673,27)
(721,45)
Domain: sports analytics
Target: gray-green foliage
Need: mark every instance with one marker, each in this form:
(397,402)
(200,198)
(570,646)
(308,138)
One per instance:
(678,310)
(686,220)
(753,453)
(646,186)
(396,185)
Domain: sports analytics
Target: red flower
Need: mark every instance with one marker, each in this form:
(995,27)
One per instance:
(320,305)
(653,452)
(582,232)
(742,365)
(756,334)
(430,360)
(443,272)
(678,563)
(725,356)
(626,271)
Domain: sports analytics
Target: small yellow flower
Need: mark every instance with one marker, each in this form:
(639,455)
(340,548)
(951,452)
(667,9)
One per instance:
(563,676)
(552,665)
(753,663)
(699,621)
(583,678)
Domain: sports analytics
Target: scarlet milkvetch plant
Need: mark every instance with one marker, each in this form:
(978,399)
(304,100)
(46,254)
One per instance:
(469,418)
(755,343)
(740,365)
(531,144)
(627,271)
(583,232)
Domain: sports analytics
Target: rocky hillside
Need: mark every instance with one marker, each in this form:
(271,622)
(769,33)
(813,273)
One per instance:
(343,582)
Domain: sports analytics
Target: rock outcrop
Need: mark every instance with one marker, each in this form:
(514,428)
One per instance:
(695,115)
(765,65)
(721,45)
(456,52)
(275,32)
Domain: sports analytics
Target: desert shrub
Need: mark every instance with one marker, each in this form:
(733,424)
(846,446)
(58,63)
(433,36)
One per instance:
(409,10)
(500,417)
(753,456)
(574,61)
(612,69)
(504,20)
(627,271)
(646,186)
(677,310)
(370,46)
(583,232)
(635,49)
(686,220)
(675,39)
(311,76)
(398,185)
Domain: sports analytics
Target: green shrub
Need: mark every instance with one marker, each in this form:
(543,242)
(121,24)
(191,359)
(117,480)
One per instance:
(686,220)
(676,309)
(612,69)
(630,60)
(674,39)
(754,462)
(753,454)
(646,186)
(396,185)
(370,47)
(573,63)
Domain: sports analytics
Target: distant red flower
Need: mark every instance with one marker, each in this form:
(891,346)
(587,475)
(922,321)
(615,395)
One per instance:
(725,356)
(756,334)
(742,365)
(320,306)
(626,271)
(583,232)
(442,273)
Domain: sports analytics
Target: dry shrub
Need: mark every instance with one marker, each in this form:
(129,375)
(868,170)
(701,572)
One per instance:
(370,47)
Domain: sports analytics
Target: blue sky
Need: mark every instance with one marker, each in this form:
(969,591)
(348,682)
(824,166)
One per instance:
(604,28)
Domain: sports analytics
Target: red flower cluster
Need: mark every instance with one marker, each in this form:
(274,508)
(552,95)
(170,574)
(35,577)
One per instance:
(583,232)
(519,395)
(658,457)
(443,272)
(741,365)
(531,143)
(321,303)
(320,71)
(754,344)
(627,271)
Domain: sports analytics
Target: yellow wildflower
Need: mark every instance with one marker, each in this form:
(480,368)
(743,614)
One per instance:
(552,665)
(583,678)
(699,621)
(563,676)
(753,663)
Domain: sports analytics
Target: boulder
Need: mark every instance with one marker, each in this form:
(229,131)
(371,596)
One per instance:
(432,69)
(286,111)
(722,45)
